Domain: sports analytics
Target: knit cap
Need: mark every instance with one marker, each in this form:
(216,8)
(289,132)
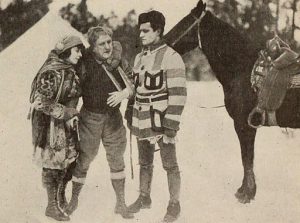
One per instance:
(67,42)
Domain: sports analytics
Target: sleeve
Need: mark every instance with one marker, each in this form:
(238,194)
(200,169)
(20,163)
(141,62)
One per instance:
(48,85)
(128,76)
(176,86)
(81,69)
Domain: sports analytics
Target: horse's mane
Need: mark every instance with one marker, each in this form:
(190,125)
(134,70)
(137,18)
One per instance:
(224,44)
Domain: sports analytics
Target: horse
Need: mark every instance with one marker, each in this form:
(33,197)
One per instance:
(232,56)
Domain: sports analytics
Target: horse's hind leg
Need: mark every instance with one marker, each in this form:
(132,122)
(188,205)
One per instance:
(246,136)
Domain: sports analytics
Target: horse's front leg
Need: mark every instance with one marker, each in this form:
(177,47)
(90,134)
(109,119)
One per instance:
(246,136)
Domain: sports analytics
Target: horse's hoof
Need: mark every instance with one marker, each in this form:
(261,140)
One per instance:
(239,194)
(246,200)
(243,197)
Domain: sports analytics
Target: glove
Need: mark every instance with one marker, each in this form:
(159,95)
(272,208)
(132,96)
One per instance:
(197,11)
(170,132)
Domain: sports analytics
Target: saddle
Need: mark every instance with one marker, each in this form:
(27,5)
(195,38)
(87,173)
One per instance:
(276,70)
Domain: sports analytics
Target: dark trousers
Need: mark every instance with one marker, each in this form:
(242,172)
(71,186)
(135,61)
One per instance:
(167,154)
(169,162)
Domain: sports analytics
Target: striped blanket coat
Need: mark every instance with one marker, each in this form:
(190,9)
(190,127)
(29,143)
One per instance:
(160,82)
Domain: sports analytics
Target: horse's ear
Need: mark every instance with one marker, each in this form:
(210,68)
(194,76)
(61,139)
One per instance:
(197,11)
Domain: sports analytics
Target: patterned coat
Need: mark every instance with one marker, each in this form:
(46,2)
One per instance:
(62,150)
(160,81)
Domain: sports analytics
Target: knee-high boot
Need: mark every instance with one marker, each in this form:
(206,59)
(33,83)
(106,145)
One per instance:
(173,210)
(61,195)
(72,206)
(121,208)
(144,199)
(50,182)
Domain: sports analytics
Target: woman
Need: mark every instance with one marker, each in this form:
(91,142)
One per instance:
(54,96)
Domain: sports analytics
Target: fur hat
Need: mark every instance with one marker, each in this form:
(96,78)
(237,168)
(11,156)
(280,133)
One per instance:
(156,19)
(67,42)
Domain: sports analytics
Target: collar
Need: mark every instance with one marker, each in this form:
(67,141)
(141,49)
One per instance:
(154,47)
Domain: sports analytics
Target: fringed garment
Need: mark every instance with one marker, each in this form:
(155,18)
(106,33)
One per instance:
(56,148)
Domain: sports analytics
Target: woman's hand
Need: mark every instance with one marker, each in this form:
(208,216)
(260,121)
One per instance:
(37,104)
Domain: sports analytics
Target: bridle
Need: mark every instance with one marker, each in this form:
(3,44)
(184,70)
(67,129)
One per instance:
(196,22)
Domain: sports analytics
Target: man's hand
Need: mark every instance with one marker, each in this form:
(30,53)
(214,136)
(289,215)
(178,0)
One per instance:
(71,123)
(170,132)
(117,97)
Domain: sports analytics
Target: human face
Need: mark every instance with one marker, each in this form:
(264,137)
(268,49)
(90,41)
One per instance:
(75,55)
(103,47)
(147,35)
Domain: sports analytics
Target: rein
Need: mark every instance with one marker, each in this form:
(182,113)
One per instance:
(196,22)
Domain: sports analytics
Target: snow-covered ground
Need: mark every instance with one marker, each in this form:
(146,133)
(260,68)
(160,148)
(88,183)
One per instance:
(208,154)
(209,158)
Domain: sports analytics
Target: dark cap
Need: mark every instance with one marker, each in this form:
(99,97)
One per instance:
(156,19)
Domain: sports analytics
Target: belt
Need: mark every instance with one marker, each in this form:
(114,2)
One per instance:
(149,100)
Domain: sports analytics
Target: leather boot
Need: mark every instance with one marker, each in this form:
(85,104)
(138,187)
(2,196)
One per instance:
(61,195)
(174,182)
(50,179)
(52,209)
(121,208)
(72,206)
(144,199)
(142,202)
(173,210)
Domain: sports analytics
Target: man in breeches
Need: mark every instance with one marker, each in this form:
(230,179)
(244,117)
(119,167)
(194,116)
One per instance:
(105,84)
(160,83)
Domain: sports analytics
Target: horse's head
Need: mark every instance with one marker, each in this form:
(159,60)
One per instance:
(199,9)
(184,36)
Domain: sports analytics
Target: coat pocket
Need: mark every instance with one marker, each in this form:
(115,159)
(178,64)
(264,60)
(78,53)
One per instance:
(157,117)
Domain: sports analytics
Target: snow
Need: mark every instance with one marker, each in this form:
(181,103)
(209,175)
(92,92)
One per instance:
(207,149)
(209,158)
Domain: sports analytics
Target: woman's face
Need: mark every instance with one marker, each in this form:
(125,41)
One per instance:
(75,55)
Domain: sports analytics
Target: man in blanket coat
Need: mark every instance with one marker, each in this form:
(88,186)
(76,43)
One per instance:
(160,82)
